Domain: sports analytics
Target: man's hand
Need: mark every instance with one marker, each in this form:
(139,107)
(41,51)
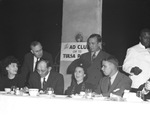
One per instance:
(136,70)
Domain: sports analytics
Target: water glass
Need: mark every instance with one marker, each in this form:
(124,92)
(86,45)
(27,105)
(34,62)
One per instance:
(88,93)
(50,90)
(140,94)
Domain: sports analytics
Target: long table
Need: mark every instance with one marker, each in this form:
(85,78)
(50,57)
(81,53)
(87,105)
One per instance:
(26,106)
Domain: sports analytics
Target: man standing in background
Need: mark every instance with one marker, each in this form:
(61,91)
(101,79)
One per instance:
(31,59)
(92,59)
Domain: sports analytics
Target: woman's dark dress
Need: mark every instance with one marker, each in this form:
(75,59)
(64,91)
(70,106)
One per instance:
(5,82)
(77,88)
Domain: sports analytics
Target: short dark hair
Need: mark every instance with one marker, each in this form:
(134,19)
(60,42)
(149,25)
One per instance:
(145,30)
(97,36)
(113,60)
(83,66)
(34,43)
(7,61)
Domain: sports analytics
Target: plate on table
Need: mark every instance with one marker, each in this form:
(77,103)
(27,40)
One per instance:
(44,95)
(3,92)
(99,98)
(77,96)
(148,100)
(60,96)
(25,94)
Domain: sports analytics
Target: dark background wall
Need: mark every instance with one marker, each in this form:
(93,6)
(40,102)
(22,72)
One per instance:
(22,21)
(122,22)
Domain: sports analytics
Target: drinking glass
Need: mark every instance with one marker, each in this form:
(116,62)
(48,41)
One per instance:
(140,94)
(88,93)
(50,90)
(13,89)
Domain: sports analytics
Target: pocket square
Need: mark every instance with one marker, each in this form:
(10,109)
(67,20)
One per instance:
(116,90)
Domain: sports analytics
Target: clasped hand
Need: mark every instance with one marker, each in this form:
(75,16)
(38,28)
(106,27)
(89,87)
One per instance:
(136,70)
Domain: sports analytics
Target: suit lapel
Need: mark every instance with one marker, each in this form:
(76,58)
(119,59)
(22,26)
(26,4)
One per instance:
(116,81)
(98,58)
(32,62)
(89,57)
(38,82)
(105,85)
(49,80)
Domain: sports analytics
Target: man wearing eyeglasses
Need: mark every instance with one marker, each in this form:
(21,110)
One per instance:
(44,78)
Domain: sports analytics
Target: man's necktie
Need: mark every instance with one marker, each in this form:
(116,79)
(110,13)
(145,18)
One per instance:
(36,64)
(109,82)
(93,57)
(44,82)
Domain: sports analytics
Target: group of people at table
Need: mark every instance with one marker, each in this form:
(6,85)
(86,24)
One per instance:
(95,70)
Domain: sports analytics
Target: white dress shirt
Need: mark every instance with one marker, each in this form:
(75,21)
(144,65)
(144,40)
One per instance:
(113,77)
(42,79)
(34,62)
(138,56)
(96,53)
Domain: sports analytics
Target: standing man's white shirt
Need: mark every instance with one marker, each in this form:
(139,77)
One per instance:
(34,62)
(42,79)
(138,56)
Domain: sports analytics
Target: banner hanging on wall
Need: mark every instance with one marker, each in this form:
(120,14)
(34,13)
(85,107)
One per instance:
(80,19)
(72,50)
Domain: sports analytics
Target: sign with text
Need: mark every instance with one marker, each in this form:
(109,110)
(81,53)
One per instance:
(72,50)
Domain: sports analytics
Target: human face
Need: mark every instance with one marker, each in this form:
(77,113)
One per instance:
(145,39)
(107,68)
(42,69)
(37,51)
(93,44)
(12,68)
(79,74)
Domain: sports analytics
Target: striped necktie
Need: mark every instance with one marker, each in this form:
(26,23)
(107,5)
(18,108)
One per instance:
(93,57)
(44,82)
(109,82)
(36,63)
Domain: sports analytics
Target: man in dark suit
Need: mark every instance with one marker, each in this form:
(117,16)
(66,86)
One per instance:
(31,58)
(44,77)
(114,81)
(92,59)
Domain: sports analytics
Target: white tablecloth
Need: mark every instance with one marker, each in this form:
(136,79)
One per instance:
(26,106)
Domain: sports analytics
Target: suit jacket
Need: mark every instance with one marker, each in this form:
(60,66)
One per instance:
(120,83)
(27,67)
(55,80)
(94,72)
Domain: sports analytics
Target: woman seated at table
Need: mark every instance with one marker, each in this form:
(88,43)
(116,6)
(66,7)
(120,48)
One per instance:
(78,81)
(9,75)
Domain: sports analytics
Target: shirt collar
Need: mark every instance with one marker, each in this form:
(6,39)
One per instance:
(96,53)
(35,59)
(113,77)
(46,77)
(142,46)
